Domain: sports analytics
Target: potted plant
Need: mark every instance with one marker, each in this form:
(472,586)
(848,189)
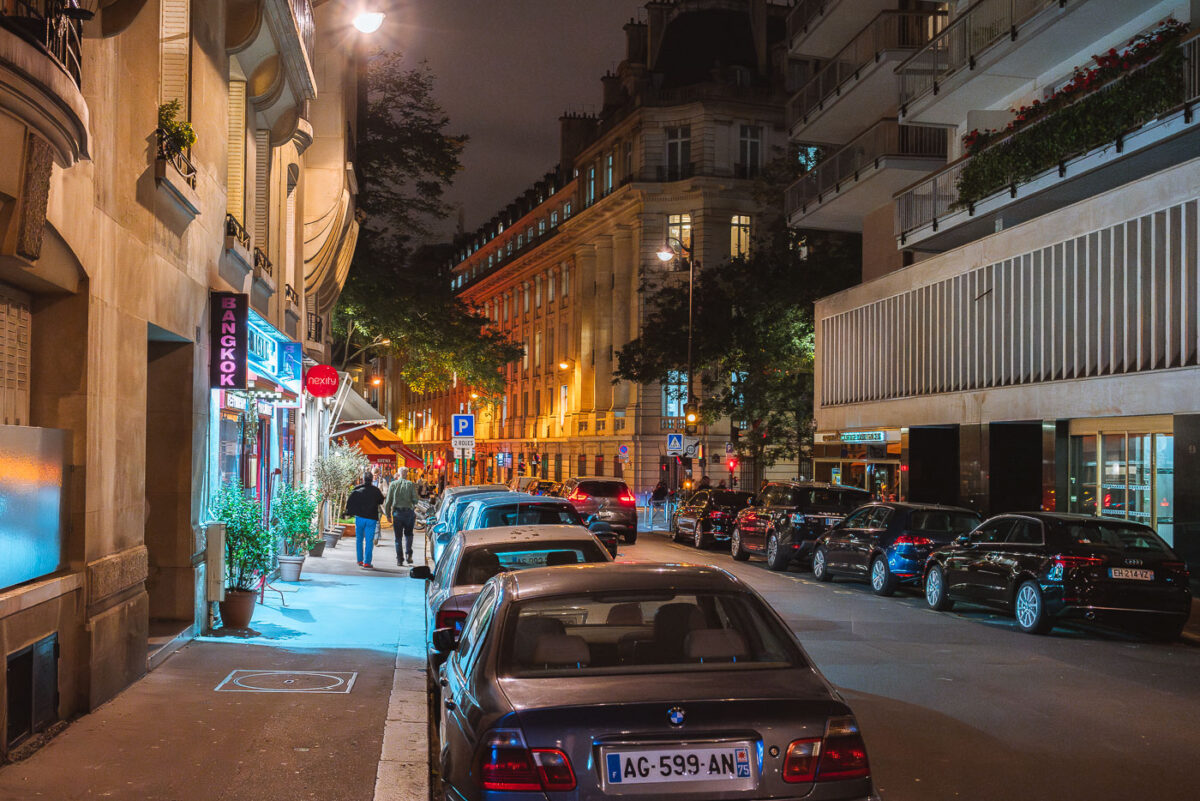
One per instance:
(336,472)
(174,135)
(293,517)
(249,552)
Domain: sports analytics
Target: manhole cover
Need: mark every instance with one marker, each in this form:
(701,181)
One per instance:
(287,681)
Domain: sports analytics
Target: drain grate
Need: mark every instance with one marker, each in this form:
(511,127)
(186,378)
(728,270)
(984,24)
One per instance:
(287,681)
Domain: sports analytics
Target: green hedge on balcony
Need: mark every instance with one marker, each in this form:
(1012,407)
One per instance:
(1095,120)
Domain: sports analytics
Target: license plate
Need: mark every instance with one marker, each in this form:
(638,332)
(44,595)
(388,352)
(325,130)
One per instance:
(729,763)
(1130,573)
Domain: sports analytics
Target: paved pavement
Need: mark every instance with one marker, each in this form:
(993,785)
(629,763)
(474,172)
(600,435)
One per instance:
(326,702)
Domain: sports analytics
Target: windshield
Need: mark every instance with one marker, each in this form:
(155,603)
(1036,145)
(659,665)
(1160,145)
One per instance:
(529,514)
(943,522)
(602,489)
(1118,536)
(481,563)
(645,631)
(735,499)
(837,498)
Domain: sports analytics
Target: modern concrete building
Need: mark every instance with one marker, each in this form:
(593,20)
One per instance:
(689,117)
(111,245)
(1026,333)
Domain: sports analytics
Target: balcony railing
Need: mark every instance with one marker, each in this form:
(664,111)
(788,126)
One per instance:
(315,329)
(973,31)
(262,264)
(44,24)
(884,138)
(891,30)
(176,158)
(235,229)
(675,172)
(291,295)
(670,423)
(803,13)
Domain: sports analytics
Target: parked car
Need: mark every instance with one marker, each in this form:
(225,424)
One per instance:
(608,499)
(519,508)
(532,485)
(787,517)
(1046,568)
(470,561)
(450,517)
(439,504)
(708,516)
(642,680)
(888,543)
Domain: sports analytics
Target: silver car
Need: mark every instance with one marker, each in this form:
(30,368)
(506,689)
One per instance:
(450,513)
(638,680)
(607,499)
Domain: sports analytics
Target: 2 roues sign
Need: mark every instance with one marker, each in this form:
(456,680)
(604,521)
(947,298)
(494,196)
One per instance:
(321,381)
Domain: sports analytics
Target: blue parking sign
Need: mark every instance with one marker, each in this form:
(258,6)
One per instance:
(463,425)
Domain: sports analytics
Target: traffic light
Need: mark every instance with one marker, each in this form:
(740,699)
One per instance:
(689,418)
(731,463)
(439,463)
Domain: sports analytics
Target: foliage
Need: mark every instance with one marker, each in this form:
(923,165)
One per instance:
(249,547)
(753,323)
(337,471)
(293,515)
(1125,89)
(397,293)
(175,135)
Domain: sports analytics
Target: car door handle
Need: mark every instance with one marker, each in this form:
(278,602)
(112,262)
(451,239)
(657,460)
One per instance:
(443,681)
(450,705)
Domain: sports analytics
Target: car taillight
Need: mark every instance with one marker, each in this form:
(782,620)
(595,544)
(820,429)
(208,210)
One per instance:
(1061,563)
(508,766)
(578,495)
(450,618)
(909,539)
(1180,566)
(840,754)
(716,514)
(626,497)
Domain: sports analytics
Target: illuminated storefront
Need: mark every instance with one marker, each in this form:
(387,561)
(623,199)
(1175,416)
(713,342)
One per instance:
(866,459)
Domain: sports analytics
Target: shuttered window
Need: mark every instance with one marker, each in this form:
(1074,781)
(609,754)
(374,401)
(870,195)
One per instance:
(14,357)
(175,52)
(235,202)
(262,192)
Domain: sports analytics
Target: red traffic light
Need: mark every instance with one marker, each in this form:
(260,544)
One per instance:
(731,463)
(439,462)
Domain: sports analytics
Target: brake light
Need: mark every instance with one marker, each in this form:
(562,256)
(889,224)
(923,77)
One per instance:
(1061,563)
(626,497)
(1180,566)
(508,766)
(909,539)
(450,618)
(578,495)
(840,754)
(715,515)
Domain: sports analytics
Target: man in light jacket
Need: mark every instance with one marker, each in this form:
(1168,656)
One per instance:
(400,507)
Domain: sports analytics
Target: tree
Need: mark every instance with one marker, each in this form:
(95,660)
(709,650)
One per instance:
(397,299)
(753,329)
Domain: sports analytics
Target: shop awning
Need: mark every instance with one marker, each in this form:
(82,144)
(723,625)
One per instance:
(386,437)
(352,412)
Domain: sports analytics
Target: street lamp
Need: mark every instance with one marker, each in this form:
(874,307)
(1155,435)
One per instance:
(669,251)
(368,21)
(565,364)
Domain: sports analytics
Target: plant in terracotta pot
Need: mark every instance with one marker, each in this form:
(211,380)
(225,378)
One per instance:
(336,472)
(293,521)
(249,552)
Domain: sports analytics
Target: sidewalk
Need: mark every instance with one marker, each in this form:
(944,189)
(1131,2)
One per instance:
(327,701)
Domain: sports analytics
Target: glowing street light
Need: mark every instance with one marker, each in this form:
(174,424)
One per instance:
(368,21)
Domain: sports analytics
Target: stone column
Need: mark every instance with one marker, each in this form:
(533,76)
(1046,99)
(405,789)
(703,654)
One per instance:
(585,299)
(603,309)
(623,300)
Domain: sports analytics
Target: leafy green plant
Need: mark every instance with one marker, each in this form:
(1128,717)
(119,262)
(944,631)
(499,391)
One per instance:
(293,519)
(174,135)
(249,547)
(336,472)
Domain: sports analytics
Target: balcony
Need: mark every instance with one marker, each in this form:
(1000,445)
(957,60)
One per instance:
(841,190)
(176,175)
(859,82)
(996,47)
(291,302)
(817,30)
(237,243)
(314,331)
(264,272)
(933,215)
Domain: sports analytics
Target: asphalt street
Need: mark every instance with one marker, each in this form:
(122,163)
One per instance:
(962,705)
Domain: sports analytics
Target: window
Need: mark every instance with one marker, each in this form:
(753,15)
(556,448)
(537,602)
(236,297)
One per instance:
(993,531)
(550,287)
(554,219)
(628,169)
(566,281)
(739,235)
(524,405)
(537,291)
(537,403)
(567,210)
(591,186)
(679,152)
(750,150)
(1025,532)
(562,404)
(582,465)
(541,226)
(674,394)
(608,172)
(537,349)
(520,241)
(508,248)
(525,355)
(679,228)
(550,347)
(599,464)
(525,296)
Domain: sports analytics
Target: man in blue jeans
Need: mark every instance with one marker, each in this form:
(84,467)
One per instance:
(363,504)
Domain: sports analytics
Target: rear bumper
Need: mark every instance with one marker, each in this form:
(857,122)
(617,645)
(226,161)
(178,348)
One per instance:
(1122,609)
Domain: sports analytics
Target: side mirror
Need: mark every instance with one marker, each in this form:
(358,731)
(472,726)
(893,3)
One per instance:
(598,526)
(962,539)
(441,528)
(421,572)
(445,640)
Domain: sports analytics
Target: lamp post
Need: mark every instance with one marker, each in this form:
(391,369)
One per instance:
(666,254)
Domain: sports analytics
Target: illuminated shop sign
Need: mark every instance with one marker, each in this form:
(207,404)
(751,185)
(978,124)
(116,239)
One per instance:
(864,436)
(273,355)
(228,344)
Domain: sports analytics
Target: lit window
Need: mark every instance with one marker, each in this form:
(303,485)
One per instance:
(591,186)
(679,229)
(674,394)
(566,209)
(520,241)
(739,235)
(541,226)
(537,291)
(525,292)
(608,172)
(550,286)
(554,219)
(566,274)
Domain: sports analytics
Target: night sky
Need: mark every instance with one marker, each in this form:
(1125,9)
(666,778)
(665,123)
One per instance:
(505,70)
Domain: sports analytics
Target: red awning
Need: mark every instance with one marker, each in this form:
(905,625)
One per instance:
(379,444)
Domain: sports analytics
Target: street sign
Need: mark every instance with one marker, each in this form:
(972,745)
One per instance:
(462,443)
(674,444)
(462,425)
(691,446)
(729,448)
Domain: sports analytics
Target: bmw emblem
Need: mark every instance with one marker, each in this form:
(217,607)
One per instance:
(676,716)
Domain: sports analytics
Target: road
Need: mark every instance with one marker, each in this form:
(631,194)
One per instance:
(962,705)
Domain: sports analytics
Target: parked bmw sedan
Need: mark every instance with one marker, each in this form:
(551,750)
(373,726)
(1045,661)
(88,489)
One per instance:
(708,516)
(638,680)
(1046,568)
(522,509)
(888,543)
(788,516)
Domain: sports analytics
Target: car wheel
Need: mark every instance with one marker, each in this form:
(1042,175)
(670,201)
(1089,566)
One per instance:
(1030,609)
(935,590)
(883,582)
(736,550)
(1168,631)
(777,556)
(631,537)
(674,531)
(820,568)
(698,538)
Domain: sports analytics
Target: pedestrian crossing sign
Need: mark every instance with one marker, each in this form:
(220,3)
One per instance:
(674,444)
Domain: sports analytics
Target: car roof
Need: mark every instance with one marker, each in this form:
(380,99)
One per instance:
(815,485)
(499,534)
(905,505)
(471,488)
(611,479)
(1069,517)
(618,576)
(519,497)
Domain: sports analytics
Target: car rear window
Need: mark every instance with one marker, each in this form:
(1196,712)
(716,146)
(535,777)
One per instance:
(942,521)
(841,499)
(1118,536)
(481,563)
(529,514)
(602,489)
(734,499)
(644,631)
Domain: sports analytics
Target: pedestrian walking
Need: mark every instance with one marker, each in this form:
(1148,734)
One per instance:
(400,508)
(658,500)
(705,483)
(363,504)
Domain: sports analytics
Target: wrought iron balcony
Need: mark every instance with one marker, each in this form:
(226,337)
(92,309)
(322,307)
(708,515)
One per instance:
(46,25)
(315,329)
(262,265)
(234,229)
(292,296)
(176,158)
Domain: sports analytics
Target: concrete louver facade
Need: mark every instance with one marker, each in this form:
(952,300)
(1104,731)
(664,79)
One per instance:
(108,253)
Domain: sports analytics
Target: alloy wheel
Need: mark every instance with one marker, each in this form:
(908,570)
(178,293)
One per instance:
(820,571)
(772,548)
(698,537)
(878,575)
(933,588)
(1028,606)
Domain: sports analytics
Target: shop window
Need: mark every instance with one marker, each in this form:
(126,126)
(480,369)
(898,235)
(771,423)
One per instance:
(1124,475)
(599,464)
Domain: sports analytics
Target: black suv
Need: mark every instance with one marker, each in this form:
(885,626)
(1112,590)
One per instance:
(787,518)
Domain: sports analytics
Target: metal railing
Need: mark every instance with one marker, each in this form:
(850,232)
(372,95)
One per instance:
(291,295)
(676,172)
(802,13)
(975,30)
(670,423)
(176,158)
(884,138)
(314,330)
(890,30)
(46,25)
(261,263)
(235,229)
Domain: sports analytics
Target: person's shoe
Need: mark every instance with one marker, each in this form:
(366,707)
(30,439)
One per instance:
(399,561)
(360,564)
(368,566)
(410,561)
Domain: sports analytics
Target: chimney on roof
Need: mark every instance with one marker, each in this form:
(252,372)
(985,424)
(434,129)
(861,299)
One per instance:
(635,42)
(576,132)
(614,96)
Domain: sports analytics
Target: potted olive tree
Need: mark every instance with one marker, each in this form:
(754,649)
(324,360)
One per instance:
(294,523)
(249,552)
(336,472)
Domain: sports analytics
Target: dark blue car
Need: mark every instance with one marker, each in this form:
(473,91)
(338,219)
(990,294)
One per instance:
(887,543)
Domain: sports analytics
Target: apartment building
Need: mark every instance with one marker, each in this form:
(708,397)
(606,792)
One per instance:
(1025,336)
(691,114)
(115,244)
